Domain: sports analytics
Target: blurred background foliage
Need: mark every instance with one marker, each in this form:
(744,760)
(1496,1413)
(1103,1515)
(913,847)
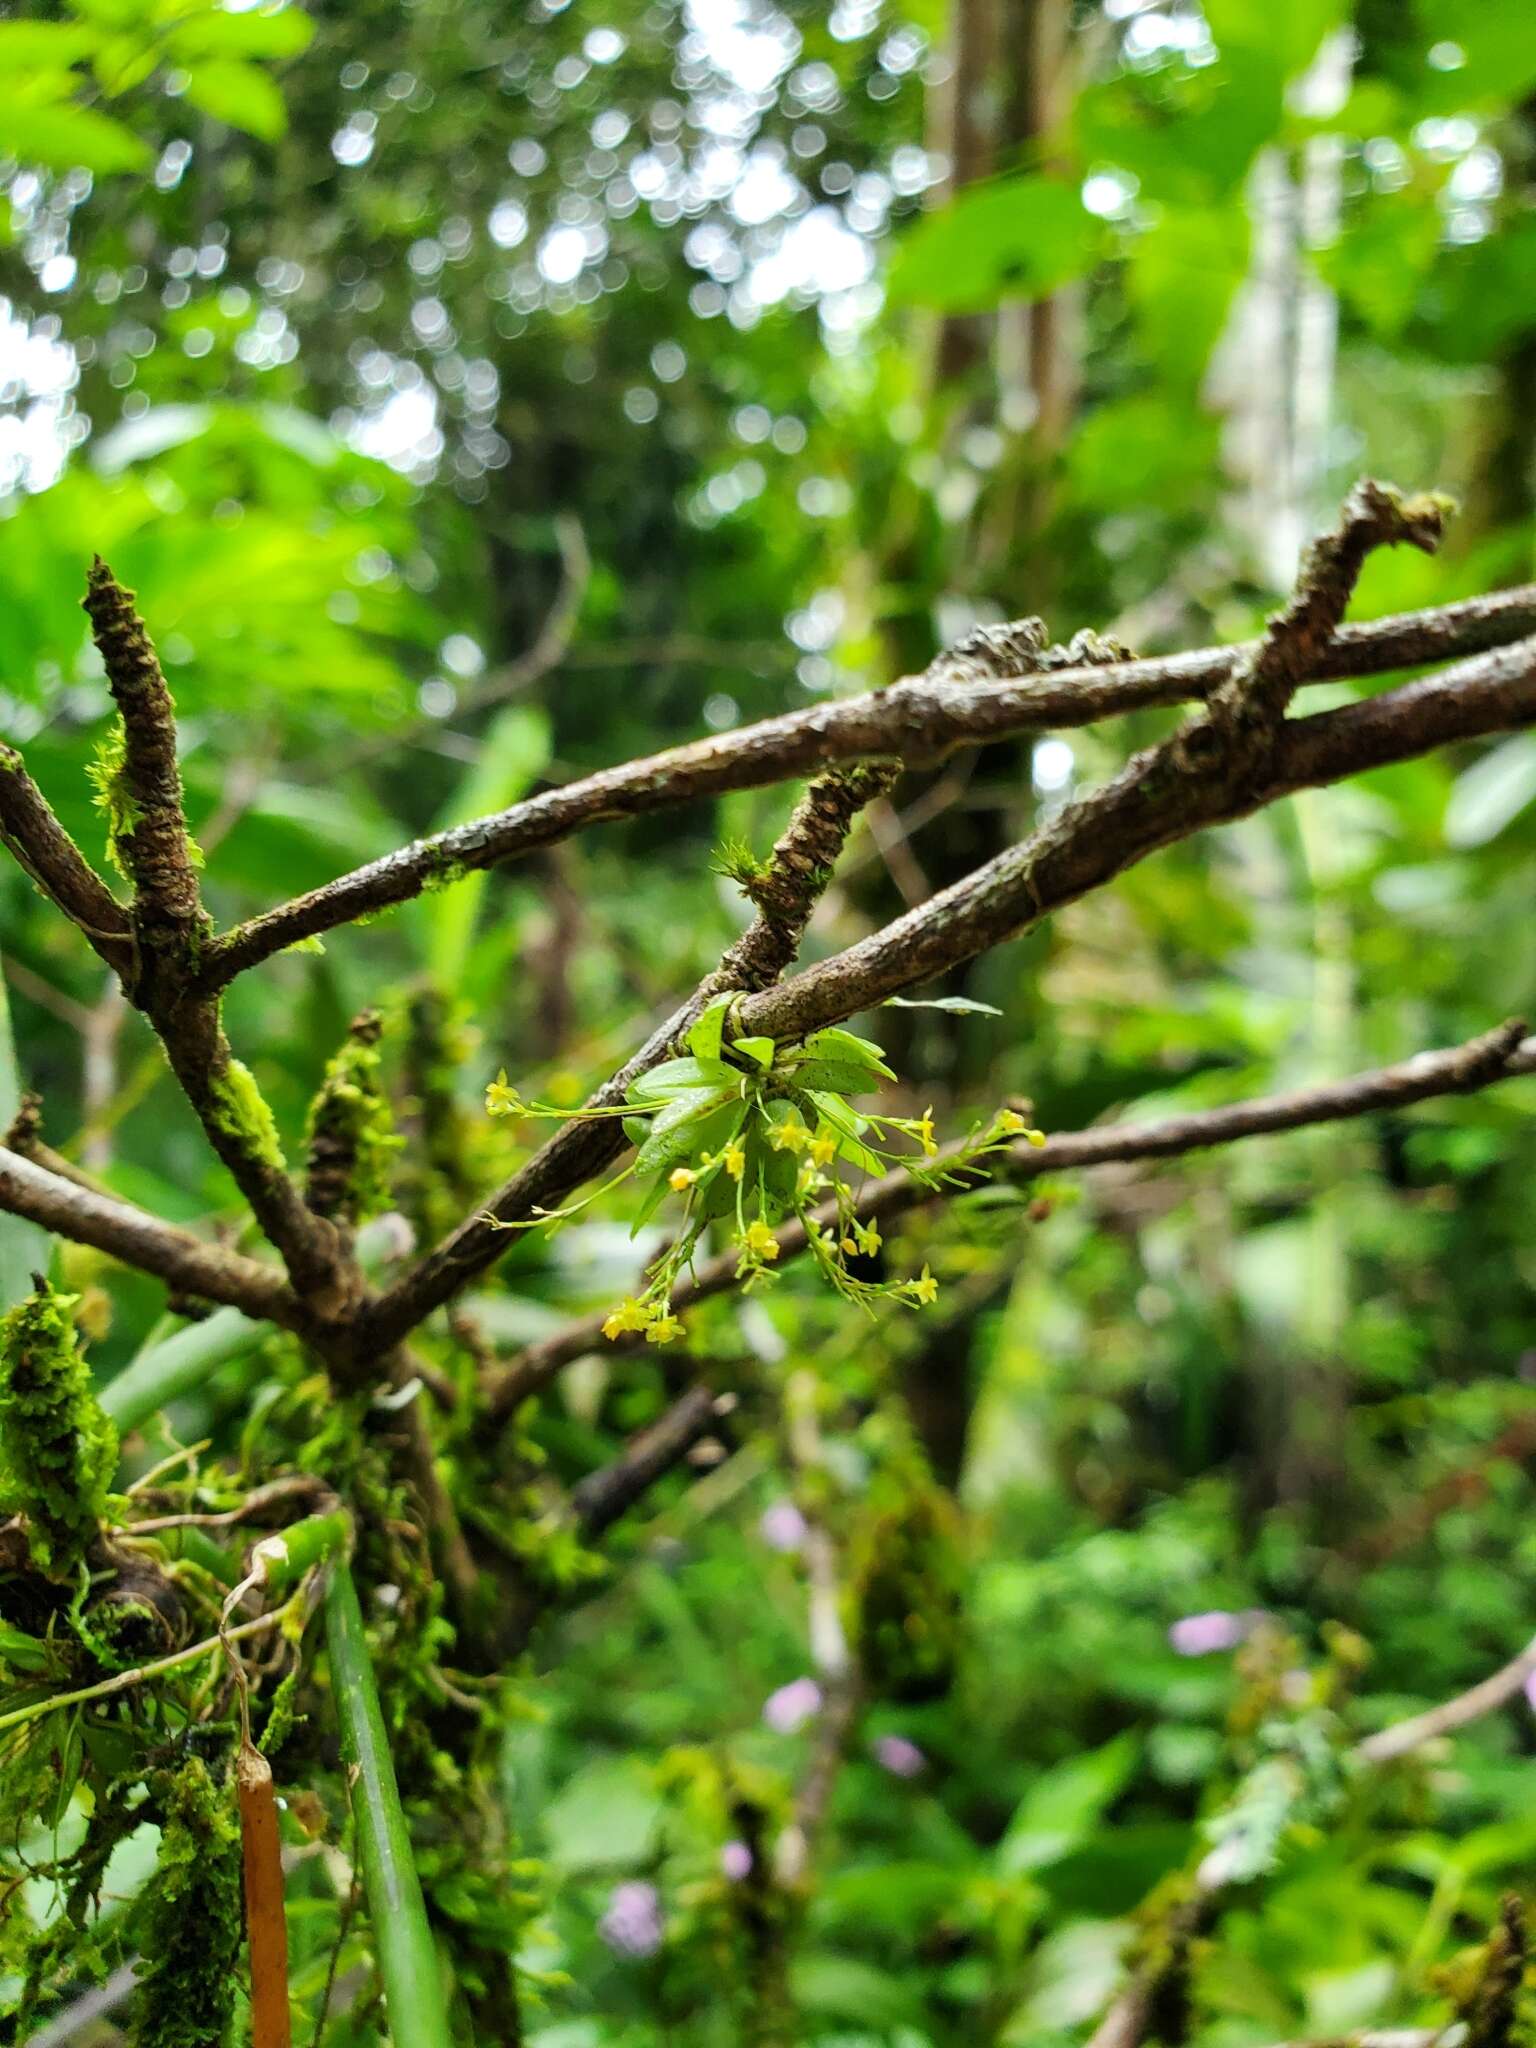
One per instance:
(477,395)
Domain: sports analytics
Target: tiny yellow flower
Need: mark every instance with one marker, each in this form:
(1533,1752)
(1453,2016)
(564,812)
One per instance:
(849,1246)
(922,1130)
(629,1315)
(789,1136)
(681,1178)
(1010,1123)
(501,1098)
(734,1160)
(664,1330)
(924,1288)
(1035,1138)
(869,1238)
(759,1241)
(823,1149)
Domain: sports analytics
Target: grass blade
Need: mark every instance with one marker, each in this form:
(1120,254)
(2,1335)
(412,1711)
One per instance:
(407,1955)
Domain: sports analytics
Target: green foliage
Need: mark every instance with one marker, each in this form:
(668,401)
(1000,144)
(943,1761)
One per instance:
(192,1924)
(57,1449)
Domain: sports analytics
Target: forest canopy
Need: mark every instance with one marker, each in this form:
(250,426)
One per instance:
(767,1218)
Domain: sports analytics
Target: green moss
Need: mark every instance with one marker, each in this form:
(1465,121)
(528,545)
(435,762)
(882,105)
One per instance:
(239,1110)
(352,1143)
(190,1934)
(107,776)
(57,1449)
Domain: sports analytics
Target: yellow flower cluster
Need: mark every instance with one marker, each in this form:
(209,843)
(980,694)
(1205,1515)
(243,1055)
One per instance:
(653,1316)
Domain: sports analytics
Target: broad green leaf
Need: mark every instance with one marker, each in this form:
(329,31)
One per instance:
(265,32)
(1017,238)
(65,138)
(836,1044)
(1063,1804)
(843,1077)
(758,1048)
(673,1075)
(1492,793)
(240,95)
(41,45)
(606,1816)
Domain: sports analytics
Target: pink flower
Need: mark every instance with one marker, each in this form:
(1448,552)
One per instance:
(632,1925)
(782,1527)
(901,1758)
(736,1861)
(1197,1635)
(787,1710)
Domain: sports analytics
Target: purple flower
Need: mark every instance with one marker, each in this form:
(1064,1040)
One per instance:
(901,1758)
(632,1925)
(1197,1635)
(787,1710)
(782,1527)
(736,1861)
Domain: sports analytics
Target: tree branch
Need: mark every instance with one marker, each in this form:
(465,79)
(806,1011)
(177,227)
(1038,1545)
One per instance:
(1458,1070)
(1159,797)
(603,1496)
(1405,1736)
(40,845)
(186,1263)
(918,720)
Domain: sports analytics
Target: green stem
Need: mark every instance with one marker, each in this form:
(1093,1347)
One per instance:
(121,1680)
(407,1954)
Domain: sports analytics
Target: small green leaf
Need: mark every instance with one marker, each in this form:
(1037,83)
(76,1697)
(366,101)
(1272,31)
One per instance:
(955,1006)
(759,1049)
(704,1038)
(21,1652)
(836,1044)
(1063,1805)
(673,1075)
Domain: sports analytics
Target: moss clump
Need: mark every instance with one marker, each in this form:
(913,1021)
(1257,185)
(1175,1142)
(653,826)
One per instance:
(239,1110)
(107,773)
(352,1143)
(190,1937)
(57,1449)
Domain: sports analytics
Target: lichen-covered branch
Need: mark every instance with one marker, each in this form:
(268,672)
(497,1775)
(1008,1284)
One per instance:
(140,782)
(1496,1055)
(917,720)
